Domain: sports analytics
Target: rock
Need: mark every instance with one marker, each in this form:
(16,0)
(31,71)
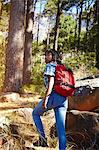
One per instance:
(4,121)
(22,115)
(9,96)
(94,82)
(87,101)
(82,128)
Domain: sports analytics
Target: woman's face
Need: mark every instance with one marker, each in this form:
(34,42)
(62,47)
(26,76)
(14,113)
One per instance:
(48,57)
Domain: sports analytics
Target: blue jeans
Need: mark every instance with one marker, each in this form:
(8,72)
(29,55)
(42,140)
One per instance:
(59,104)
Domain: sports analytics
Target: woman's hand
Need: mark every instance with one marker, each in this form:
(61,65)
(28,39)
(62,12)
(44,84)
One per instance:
(44,104)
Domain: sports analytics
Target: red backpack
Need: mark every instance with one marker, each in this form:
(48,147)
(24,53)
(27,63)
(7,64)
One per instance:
(64,81)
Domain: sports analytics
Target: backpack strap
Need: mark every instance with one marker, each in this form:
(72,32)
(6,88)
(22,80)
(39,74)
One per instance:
(65,84)
(69,85)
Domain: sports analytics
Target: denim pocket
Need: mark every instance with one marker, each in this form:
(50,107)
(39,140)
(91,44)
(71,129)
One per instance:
(59,100)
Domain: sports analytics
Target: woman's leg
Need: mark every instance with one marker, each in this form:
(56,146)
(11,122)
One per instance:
(37,112)
(60,115)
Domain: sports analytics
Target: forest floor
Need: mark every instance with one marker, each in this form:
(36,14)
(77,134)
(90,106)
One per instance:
(16,125)
(17,129)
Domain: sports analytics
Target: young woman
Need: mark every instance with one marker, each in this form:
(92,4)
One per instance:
(52,100)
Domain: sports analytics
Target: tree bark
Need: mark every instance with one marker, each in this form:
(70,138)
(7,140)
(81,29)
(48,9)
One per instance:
(15,47)
(55,46)
(48,34)
(75,37)
(79,25)
(34,7)
(97,35)
(87,25)
(28,43)
(38,28)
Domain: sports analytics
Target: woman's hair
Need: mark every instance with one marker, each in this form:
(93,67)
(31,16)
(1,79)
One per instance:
(55,55)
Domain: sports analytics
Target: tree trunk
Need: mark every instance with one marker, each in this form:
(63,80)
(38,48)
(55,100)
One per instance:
(48,34)
(75,37)
(79,25)
(15,47)
(55,46)
(38,28)
(34,7)
(87,25)
(97,36)
(28,43)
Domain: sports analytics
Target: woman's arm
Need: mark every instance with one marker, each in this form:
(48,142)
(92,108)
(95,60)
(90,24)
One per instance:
(48,92)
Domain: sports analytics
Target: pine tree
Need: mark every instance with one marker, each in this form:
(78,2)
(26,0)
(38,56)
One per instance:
(15,47)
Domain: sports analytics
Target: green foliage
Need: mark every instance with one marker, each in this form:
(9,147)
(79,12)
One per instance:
(2,60)
(37,68)
(37,85)
(37,75)
(66,34)
(37,48)
(27,88)
(50,8)
(66,42)
(4,18)
(83,60)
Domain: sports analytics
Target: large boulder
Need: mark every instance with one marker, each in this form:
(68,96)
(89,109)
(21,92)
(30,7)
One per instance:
(87,100)
(82,128)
